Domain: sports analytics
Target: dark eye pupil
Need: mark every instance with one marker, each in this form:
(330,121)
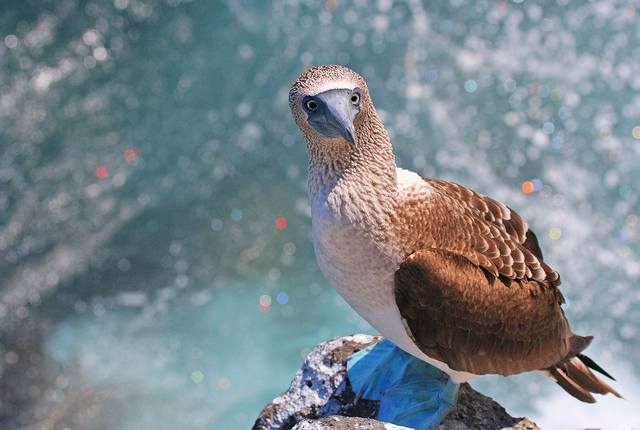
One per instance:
(355,98)
(312,105)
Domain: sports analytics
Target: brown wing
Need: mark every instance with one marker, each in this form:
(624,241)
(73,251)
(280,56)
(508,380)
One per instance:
(486,232)
(474,290)
(477,323)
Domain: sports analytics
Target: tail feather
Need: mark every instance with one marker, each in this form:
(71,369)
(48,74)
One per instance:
(574,377)
(570,386)
(593,365)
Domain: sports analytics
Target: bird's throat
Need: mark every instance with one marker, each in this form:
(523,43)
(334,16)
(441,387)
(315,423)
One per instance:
(357,183)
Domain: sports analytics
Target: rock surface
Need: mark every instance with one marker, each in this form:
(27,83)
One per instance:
(320,398)
(335,422)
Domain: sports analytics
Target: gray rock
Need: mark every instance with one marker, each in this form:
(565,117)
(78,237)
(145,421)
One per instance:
(320,398)
(335,422)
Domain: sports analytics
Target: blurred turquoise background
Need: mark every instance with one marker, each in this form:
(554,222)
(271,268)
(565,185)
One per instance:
(156,270)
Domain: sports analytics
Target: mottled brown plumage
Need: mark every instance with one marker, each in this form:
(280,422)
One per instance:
(476,293)
(484,231)
(453,277)
(474,290)
(462,315)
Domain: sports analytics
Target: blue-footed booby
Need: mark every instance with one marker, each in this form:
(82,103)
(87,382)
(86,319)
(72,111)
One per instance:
(450,276)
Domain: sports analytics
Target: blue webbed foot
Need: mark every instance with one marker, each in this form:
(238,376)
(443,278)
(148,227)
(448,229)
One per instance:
(412,393)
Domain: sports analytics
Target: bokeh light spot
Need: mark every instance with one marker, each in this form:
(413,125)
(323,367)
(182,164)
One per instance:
(236,214)
(289,248)
(265,300)
(330,5)
(11,41)
(548,127)
(555,233)
(528,187)
(635,132)
(282,298)
(470,86)
(531,186)
(102,172)
(197,376)
(131,154)
(281,223)
(216,224)
(100,53)
(265,303)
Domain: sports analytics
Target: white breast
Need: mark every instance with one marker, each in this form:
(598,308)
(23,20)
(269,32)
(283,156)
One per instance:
(352,263)
(363,272)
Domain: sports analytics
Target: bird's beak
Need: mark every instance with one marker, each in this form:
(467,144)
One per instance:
(339,115)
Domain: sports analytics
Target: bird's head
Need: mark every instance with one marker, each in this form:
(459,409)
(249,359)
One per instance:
(327,103)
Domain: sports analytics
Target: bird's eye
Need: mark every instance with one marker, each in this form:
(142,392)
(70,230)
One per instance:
(355,98)
(312,104)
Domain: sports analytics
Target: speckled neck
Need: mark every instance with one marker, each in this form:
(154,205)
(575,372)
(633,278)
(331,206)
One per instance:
(358,182)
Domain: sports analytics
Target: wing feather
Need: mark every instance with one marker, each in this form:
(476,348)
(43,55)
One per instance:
(457,315)
(455,290)
(486,232)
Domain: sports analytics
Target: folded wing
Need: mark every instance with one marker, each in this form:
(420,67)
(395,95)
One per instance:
(474,290)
